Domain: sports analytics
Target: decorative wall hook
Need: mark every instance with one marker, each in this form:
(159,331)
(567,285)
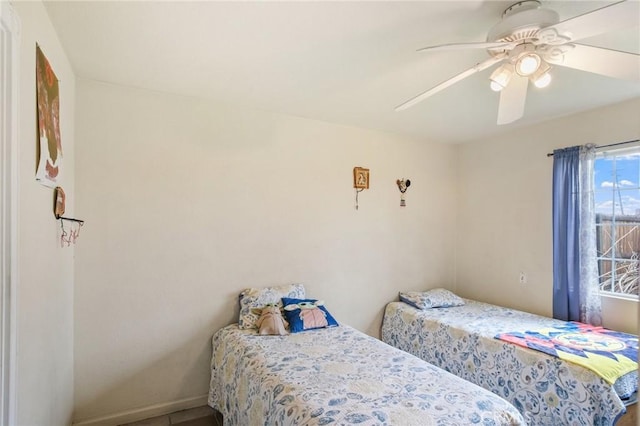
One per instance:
(402,186)
(59,201)
(67,236)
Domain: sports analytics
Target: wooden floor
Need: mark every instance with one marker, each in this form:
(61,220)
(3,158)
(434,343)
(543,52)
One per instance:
(206,416)
(200,416)
(631,416)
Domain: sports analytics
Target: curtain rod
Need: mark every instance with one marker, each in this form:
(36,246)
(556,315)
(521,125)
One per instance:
(550,154)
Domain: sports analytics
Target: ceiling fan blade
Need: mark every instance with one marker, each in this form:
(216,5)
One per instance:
(473,45)
(450,82)
(512,99)
(606,19)
(598,60)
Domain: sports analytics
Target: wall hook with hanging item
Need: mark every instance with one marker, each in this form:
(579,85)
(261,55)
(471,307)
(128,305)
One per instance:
(360,181)
(70,235)
(402,186)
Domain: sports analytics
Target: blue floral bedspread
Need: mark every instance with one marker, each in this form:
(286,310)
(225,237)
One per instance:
(546,390)
(339,376)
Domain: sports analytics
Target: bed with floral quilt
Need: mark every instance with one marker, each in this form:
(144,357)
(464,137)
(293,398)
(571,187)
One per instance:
(339,376)
(306,369)
(475,341)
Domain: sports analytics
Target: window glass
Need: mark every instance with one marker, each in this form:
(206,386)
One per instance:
(617,199)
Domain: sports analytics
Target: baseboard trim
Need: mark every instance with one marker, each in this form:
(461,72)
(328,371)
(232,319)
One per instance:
(134,415)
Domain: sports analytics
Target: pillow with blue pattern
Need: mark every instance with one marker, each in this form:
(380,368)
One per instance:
(436,298)
(306,314)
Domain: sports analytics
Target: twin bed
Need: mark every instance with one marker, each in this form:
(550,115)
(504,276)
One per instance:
(545,389)
(340,376)
(336,376)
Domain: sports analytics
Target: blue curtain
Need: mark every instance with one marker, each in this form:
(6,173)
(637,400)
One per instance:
(566,234)
(576,292)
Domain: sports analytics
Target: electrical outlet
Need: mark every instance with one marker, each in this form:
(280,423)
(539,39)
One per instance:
(523,278)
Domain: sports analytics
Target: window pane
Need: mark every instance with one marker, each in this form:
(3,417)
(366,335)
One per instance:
(603,173)
(622,279)
(604,184)
(628,202)
(604,197)
(604,236)
(617,199)
(605,275)
(626,280)
(626,169)
(627,239)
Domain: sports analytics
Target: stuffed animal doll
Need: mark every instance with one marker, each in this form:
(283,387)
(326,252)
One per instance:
(310,314)
(271,320)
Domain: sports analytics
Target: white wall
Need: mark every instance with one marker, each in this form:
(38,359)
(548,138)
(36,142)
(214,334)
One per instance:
(189,202)
(504,210)
(45,290)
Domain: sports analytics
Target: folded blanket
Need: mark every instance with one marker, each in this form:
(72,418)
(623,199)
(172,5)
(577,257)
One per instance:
(610,354)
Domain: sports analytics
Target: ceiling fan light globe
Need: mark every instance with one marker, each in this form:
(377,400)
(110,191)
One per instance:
(495,86)
(543,81)
(542,77)
(501,77)
(527,64)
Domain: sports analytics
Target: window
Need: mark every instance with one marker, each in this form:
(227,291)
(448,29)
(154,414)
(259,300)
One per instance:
(617,202)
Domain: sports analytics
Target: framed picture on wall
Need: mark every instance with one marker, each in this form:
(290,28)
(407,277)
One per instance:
(360,178)
(49,144)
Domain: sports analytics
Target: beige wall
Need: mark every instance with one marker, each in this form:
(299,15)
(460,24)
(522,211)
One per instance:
(45,290)
(188,202)
(504,210)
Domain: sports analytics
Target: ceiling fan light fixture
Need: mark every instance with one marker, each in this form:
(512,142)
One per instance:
(543,81)
(529,38)
(496,87)
(527,64)
(542,77)
(500,77)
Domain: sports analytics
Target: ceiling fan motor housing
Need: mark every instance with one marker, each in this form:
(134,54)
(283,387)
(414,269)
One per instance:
(522,21)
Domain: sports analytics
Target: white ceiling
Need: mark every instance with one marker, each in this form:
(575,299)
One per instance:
(342,62)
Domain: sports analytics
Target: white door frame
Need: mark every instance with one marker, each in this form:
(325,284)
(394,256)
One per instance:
(9,60)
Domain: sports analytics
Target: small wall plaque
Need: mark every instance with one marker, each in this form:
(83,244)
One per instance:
(360,178)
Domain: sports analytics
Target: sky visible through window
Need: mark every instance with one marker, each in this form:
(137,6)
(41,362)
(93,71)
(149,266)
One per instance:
(617,179)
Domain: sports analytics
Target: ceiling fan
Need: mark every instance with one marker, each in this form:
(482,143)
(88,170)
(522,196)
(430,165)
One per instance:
(530,39)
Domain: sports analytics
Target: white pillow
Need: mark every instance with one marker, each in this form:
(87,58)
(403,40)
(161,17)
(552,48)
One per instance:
(258,297)
(436,298)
